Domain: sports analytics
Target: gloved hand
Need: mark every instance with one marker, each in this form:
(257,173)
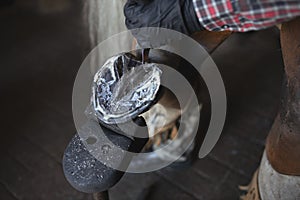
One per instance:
(178,15)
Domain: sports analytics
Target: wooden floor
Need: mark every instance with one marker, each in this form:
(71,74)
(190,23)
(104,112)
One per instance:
(40,54)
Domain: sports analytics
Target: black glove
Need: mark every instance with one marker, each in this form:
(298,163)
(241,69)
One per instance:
(178,15)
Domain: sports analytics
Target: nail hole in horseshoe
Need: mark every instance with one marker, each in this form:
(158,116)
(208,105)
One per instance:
(91,140)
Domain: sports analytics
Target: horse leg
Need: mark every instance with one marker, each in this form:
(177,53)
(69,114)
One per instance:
(278,176)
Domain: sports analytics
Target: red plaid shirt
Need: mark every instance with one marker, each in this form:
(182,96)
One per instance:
(244,15)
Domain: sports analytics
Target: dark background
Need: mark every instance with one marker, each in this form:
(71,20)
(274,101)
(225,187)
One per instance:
(42,44)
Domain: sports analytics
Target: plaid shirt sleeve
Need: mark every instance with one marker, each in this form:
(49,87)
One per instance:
(244,15)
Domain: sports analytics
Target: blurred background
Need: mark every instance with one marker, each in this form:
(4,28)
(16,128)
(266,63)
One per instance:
(43,43)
